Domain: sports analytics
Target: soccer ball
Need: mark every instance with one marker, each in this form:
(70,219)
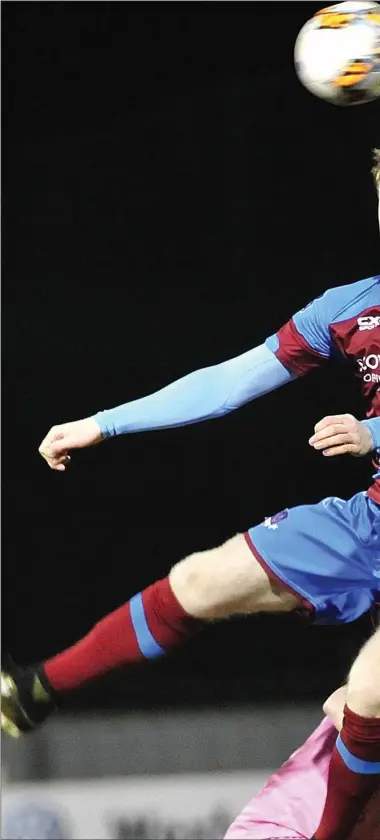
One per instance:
(337,53)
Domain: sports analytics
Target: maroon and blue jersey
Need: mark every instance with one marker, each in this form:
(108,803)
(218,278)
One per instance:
(344,322)
(327,553)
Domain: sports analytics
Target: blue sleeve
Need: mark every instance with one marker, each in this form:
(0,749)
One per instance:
(313,322)
(337,304)
(202,395)
(374,426)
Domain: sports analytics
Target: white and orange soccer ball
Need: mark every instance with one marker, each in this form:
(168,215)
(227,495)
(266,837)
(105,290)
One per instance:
(337,53)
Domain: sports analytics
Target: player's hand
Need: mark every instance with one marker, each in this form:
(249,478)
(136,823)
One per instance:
(57,444)
(342,434)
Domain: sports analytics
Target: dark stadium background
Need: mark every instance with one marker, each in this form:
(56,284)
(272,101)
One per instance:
(171,195)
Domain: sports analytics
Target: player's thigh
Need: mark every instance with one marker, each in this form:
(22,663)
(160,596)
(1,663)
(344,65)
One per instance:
(227,580)
(363,690)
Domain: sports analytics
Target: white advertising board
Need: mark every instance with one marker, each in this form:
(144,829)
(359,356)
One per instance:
(191,806)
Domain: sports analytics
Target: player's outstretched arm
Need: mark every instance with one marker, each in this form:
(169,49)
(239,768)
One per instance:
(202,395)
(343,434)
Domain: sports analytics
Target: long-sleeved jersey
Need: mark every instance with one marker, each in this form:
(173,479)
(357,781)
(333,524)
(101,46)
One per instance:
(345,322)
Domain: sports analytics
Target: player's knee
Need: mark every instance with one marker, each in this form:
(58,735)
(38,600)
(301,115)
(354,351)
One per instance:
(208,583)
(188,581)
(363,692)
(216,583)
(225,581)
(334,705)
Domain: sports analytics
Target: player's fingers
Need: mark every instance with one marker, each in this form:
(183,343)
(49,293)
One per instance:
(56,463)
(46,450)
(45,456)
(331,419)
(54,453)
(54,437)
(326,421)
(345,449)
(51,463)
(48,457)
(336,440)
(63,460)
(326,432)
(51,436)
(58,448)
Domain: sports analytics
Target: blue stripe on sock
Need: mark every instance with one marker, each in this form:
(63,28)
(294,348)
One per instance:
(147,643)
(357,765)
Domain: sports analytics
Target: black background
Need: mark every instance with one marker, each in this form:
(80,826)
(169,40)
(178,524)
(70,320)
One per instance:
(171,195)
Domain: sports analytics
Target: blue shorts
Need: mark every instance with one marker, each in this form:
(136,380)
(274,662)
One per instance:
(328,554)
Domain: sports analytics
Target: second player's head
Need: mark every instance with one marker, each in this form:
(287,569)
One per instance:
(376,175)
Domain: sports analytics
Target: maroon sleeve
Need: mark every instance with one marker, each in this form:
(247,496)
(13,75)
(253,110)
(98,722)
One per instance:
(294,352)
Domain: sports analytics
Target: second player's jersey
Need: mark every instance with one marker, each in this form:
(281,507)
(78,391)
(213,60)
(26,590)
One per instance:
(344,322)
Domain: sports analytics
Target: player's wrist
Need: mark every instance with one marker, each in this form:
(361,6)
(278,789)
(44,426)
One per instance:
(106,429)
(373,427)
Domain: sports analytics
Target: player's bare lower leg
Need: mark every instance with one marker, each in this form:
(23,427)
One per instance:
(355,764)
(205,586)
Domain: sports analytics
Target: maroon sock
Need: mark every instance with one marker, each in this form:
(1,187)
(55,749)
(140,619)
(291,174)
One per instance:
(145,627)
(354,775)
